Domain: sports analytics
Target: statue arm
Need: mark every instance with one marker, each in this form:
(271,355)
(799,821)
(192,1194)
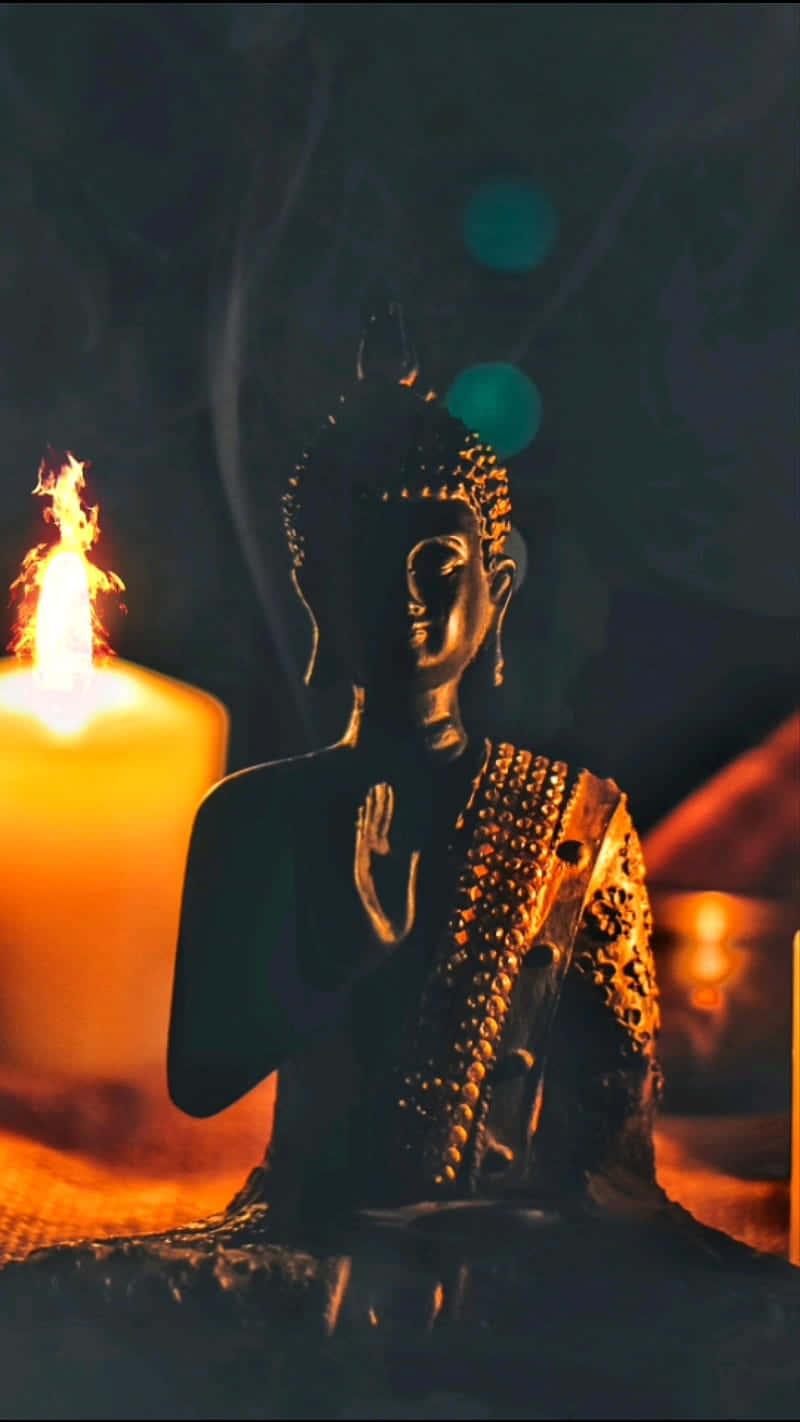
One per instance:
(227,1031)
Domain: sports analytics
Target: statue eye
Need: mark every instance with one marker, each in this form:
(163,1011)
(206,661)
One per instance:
(436,558)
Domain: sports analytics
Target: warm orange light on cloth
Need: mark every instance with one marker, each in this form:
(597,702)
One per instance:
(102,766)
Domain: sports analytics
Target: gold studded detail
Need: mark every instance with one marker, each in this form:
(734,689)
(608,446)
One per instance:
(613,947)
(516,816)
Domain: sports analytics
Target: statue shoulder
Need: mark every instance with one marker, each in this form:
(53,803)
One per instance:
(594,802)
(598,800)
(620,855)
(593,784)
(272,788)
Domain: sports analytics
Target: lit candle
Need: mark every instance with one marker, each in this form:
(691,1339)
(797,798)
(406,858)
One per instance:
(794,1189)
(102,766)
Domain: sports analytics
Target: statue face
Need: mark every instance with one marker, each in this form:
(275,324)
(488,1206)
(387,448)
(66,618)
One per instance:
(425,603)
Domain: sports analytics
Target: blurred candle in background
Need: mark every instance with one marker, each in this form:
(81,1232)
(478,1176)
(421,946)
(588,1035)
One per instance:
(726,1001)
(102,766)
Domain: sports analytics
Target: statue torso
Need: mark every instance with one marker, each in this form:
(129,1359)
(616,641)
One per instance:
(507,1044)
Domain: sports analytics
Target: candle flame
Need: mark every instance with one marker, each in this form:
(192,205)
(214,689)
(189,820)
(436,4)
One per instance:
(63,623)
(58,628)
(58,584)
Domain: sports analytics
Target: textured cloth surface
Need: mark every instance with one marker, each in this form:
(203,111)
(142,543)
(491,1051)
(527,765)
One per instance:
(731,1173)
(171,1171)
(726,1171)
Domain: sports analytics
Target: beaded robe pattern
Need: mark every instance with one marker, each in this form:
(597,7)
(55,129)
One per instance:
(498,907)
(528,819)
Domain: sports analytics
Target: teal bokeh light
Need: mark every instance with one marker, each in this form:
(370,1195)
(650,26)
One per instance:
(498,402)
(510,225)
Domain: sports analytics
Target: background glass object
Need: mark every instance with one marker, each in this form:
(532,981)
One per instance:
(500,402)
(509,225)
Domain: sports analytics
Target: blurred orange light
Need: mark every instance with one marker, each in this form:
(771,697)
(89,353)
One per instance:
(710,963)
(707,999)
(711,918)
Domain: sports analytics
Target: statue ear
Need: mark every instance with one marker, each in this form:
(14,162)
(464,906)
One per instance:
(501,584)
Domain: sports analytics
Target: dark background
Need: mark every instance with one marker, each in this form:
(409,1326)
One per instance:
(195,199)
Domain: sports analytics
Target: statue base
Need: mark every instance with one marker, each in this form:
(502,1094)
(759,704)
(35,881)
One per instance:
(457,1311)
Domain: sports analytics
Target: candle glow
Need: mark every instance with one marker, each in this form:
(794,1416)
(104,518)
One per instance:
(102,764)
(710,958)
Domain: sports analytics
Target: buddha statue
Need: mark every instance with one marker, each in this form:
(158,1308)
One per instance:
(438,939)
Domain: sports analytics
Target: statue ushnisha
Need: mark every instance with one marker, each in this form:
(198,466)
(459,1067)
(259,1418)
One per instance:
(440,940)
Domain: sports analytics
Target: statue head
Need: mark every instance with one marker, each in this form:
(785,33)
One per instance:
(397,519)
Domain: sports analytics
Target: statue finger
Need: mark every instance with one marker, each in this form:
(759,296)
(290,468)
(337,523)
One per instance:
(368,816)
(385,805)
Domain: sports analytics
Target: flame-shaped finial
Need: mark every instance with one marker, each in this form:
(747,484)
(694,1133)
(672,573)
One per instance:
(385,352)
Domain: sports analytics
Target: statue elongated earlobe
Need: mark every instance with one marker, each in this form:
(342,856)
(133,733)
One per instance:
(312,660)
(502,586)
(499,663)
